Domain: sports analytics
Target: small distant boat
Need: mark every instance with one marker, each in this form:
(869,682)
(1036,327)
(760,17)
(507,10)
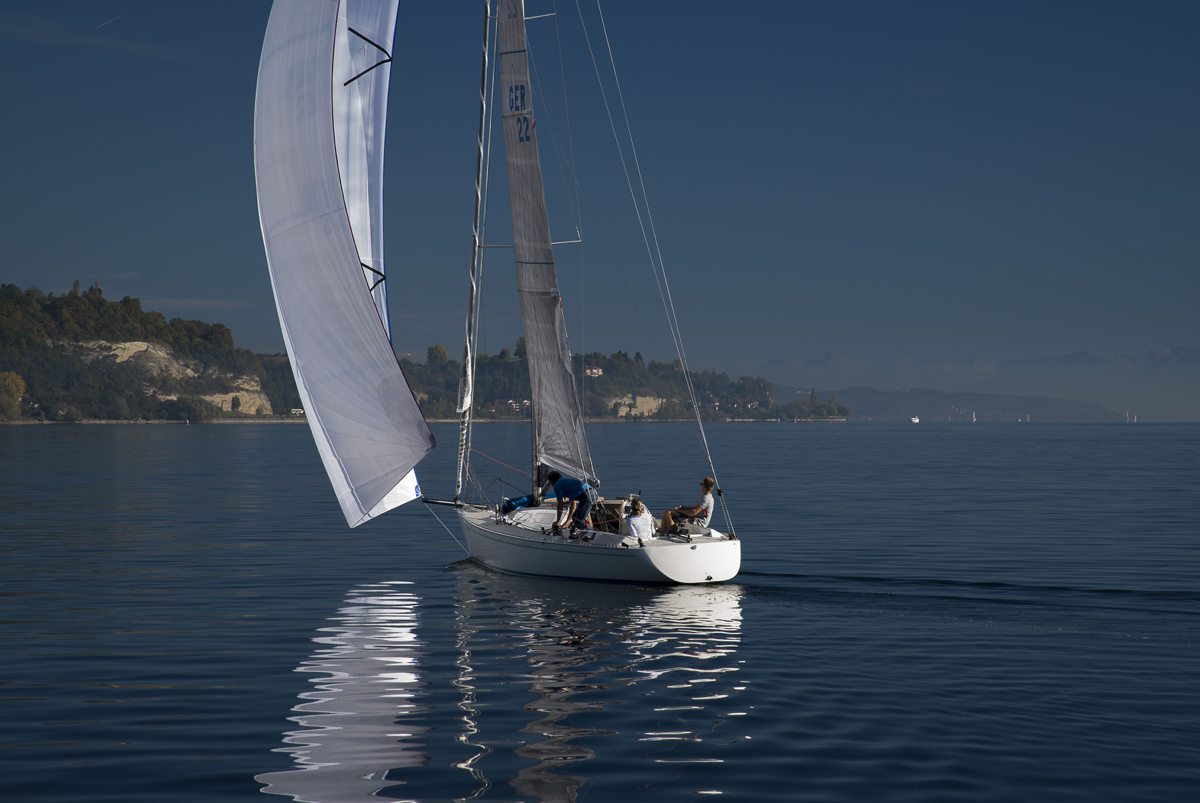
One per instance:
(914,419)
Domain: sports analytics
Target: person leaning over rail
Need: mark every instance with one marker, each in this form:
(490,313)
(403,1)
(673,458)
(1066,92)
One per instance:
(700,513)
(574,494)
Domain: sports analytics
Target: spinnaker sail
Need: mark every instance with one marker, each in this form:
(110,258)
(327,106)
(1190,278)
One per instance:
(318,157)
(362,56)
(559,439)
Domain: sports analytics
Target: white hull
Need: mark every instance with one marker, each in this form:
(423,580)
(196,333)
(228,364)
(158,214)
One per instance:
(525,546)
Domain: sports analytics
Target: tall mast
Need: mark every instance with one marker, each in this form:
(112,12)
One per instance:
(466,382)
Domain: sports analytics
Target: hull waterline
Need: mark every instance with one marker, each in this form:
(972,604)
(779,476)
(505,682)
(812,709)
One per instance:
(531,551)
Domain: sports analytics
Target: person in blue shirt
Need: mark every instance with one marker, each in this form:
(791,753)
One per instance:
(574,494)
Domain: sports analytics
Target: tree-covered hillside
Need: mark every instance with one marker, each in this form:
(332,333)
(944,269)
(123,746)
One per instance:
(39,338)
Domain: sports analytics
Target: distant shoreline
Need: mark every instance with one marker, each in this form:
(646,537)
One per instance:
(304,420)
(155,422)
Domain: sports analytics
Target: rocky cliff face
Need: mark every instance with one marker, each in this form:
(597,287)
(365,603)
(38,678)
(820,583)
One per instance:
(155,356)
(249,392)
(161,361)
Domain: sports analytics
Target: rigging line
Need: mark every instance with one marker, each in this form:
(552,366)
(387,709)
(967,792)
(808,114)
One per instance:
(653,230)
(501,462)
(649,215)
(447,529)
(558,151)
(687,374)
(369,42)
(364,72)
(577,207)
(373,66)
(625,168)
(567,114)
(581,440)
(582,443)
(474,478)
(497,478)
(673,319)
(636,308)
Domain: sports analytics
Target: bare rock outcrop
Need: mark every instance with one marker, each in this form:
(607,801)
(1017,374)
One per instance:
(159,359)
(250,394)
(155,356)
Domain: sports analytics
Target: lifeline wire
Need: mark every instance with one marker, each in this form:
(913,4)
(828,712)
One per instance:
(447,529)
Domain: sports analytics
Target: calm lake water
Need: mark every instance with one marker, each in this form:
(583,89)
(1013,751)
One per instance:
(925,613)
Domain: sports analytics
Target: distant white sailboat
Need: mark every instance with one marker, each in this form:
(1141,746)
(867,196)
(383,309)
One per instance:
(914,419)
(320,115)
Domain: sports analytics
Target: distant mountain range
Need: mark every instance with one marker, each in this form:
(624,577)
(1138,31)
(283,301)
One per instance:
(1156,385)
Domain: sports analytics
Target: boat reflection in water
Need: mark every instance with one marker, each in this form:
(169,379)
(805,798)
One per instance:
(577,648)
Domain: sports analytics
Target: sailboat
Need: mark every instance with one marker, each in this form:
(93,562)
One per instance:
(320,116)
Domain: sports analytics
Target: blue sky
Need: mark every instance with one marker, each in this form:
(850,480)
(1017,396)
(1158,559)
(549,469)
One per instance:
(891,181)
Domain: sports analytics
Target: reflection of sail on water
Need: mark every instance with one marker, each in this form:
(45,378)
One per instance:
(577,649)
(350,737)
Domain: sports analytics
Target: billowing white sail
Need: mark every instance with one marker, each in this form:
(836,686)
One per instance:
(367,425)
(362,57)
(558,423)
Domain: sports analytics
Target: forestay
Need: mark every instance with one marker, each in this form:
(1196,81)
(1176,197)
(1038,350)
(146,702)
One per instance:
(367,425)
(559,439)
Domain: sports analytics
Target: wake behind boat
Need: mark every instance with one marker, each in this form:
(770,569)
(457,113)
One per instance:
(320,114)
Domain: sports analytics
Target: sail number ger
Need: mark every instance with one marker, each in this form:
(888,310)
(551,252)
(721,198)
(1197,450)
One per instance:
(516,98)
(516,103)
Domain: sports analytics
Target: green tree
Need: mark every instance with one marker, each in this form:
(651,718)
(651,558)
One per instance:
(12,388)
(812,398)
(436,354)
(235,404)
(520,353)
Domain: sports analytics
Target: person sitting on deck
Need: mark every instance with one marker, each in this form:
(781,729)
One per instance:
(573,494)
(697,514)
(639,522)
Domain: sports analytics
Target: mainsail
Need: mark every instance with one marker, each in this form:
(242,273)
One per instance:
(318,158)
(559,439)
